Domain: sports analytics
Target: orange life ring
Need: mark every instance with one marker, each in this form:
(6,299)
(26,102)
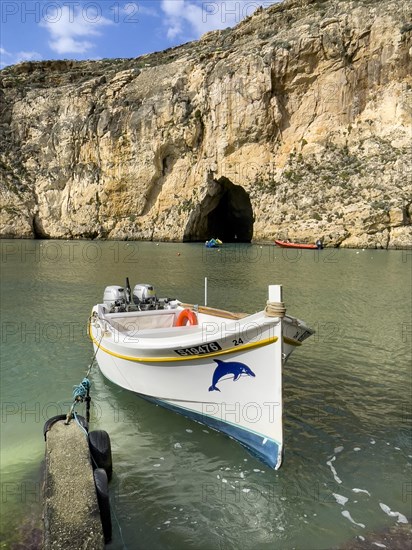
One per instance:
(187,317)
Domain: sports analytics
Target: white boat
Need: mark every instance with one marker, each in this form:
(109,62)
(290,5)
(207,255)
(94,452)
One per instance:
(219,368)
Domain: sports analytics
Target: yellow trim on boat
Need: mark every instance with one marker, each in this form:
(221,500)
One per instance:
(185,358)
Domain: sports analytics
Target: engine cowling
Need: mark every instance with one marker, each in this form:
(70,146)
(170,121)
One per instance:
(144,294)
(114,298)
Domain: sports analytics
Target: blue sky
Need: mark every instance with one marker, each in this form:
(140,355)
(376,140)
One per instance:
(77,29)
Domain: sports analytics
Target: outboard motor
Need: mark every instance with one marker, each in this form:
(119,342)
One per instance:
(144,296)
(114,298)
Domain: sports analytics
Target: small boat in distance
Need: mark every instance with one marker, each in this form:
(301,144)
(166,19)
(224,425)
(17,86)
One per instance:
(213,243)
(218,368)
(287,244)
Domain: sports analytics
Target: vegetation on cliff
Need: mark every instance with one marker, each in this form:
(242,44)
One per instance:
(302,115)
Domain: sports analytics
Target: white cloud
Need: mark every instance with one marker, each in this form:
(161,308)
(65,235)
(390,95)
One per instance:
(192,18)
(131,12)
(3,55)
(70,28)
(134,9)
(173,8)
(174,30)
(9,58)
(28,56)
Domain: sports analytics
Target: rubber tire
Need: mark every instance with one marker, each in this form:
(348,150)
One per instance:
(101,451)
(102,491)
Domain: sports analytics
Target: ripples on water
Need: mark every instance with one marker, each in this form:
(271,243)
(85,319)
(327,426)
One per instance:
(178,484)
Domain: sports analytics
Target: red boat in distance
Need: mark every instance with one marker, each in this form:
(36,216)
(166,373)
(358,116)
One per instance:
(286,244)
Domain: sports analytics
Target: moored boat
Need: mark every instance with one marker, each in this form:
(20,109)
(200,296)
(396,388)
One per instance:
(286,244)
(219,368)
(213,243)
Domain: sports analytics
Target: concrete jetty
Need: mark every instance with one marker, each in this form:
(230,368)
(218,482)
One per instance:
(71,510)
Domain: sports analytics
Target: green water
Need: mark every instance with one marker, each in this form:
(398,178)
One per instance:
(176,484)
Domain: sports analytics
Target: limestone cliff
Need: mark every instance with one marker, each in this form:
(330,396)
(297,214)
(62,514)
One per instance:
(296,123)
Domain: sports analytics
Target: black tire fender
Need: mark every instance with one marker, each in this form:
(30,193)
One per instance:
(102,491)
(101,451)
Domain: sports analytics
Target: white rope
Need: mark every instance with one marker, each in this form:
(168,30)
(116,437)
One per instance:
(275,309)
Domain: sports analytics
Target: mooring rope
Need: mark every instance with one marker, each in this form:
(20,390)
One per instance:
(81,392)
(82,428)
(96,350)
(275,309)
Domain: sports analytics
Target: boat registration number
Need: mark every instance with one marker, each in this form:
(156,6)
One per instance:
(199,350)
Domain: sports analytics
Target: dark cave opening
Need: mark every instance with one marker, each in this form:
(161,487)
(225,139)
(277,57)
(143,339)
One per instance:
(225,213)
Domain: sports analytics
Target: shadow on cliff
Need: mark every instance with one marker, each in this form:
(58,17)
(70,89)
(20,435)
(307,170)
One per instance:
(225,213)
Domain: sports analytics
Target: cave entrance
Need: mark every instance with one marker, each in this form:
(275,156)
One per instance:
(225,213)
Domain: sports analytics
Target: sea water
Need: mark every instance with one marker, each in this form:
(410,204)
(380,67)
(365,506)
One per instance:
(176,484)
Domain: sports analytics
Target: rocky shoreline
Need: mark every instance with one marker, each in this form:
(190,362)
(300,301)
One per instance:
(296,124)
(263,242)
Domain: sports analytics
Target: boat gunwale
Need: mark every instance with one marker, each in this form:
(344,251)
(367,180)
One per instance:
(258,319)
(165,359)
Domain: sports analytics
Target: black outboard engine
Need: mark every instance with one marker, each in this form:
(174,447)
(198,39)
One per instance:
(144,296)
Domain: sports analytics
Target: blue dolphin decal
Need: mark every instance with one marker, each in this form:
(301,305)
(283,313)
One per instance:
(232,367)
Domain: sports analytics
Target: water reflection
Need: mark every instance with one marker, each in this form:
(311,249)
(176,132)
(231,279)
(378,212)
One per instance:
(176,483)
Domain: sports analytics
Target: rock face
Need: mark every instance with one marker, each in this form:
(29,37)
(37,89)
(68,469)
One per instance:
(307,106)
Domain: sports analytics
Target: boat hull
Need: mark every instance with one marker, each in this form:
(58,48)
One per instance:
(266,450)
(223,369)
(236,390)
(284,244)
